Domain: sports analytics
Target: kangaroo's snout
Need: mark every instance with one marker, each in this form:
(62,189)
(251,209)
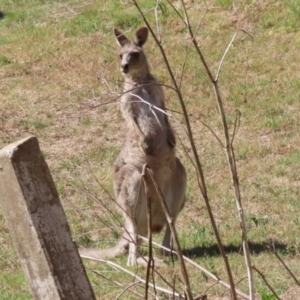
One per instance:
(125,68)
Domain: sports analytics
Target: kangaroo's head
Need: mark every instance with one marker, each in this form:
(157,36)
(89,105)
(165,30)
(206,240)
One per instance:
(132,56)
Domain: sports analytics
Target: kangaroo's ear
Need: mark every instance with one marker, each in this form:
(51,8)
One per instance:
(140,37)
(121,39)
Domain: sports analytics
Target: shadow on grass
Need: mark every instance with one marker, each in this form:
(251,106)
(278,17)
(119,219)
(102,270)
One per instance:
(255,248)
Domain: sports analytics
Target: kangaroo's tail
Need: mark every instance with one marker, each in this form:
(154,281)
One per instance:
(120,248)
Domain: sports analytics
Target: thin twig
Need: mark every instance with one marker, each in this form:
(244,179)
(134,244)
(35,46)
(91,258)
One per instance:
(235,181)
(201,181)
(127,288)
(193,37)
(112,264)
(213,133)
(176,10)
(224,55)
(266,282)
(120,224)
(129,91)
(184,65)
(202,269)
(284,264)
(230,154)
(236,125)
(79,209)
(118,284)
(189,47)
(225,258)
(158,2)
(174,235)
(130,234)
(150,105)
(150,259)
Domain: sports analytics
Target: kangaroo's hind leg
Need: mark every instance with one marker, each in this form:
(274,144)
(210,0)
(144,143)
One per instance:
(131,199)
(175,199)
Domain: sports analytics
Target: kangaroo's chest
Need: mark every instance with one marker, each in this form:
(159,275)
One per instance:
(140,100)
(144,107)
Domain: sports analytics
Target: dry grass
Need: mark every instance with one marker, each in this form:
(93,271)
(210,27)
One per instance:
(58,58)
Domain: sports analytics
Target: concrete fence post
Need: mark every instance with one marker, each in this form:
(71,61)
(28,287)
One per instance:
(38,225)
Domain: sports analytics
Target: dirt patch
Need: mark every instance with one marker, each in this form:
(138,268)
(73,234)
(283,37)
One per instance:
(293,293)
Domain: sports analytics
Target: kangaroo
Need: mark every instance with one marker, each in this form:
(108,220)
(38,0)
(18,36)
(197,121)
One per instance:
(149,140)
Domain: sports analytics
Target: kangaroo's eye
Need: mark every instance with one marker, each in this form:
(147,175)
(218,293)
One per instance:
(120,55)
(135,54)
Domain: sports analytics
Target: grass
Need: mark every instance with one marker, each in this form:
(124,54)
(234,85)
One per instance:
(58,58)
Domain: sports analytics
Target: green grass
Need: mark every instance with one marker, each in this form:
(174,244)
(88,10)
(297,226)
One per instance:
(15,287)
(59,58)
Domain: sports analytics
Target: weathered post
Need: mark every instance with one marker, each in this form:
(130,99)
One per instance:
(38,225)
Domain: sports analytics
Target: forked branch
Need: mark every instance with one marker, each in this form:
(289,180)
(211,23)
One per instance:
(201,181)
(228,148)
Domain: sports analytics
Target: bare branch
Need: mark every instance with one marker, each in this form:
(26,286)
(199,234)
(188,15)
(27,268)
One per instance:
(158,3)
(202,269)
(187,52)
(118,284)
(150,263)
(228,269)
(236,124)
(231,162)
(193,37)
(150,105)
(284,264)
(129,91)
(174,235)
(266,282)
(213,133)
(224,55)
(136,277)
(176,10)
(127,288)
